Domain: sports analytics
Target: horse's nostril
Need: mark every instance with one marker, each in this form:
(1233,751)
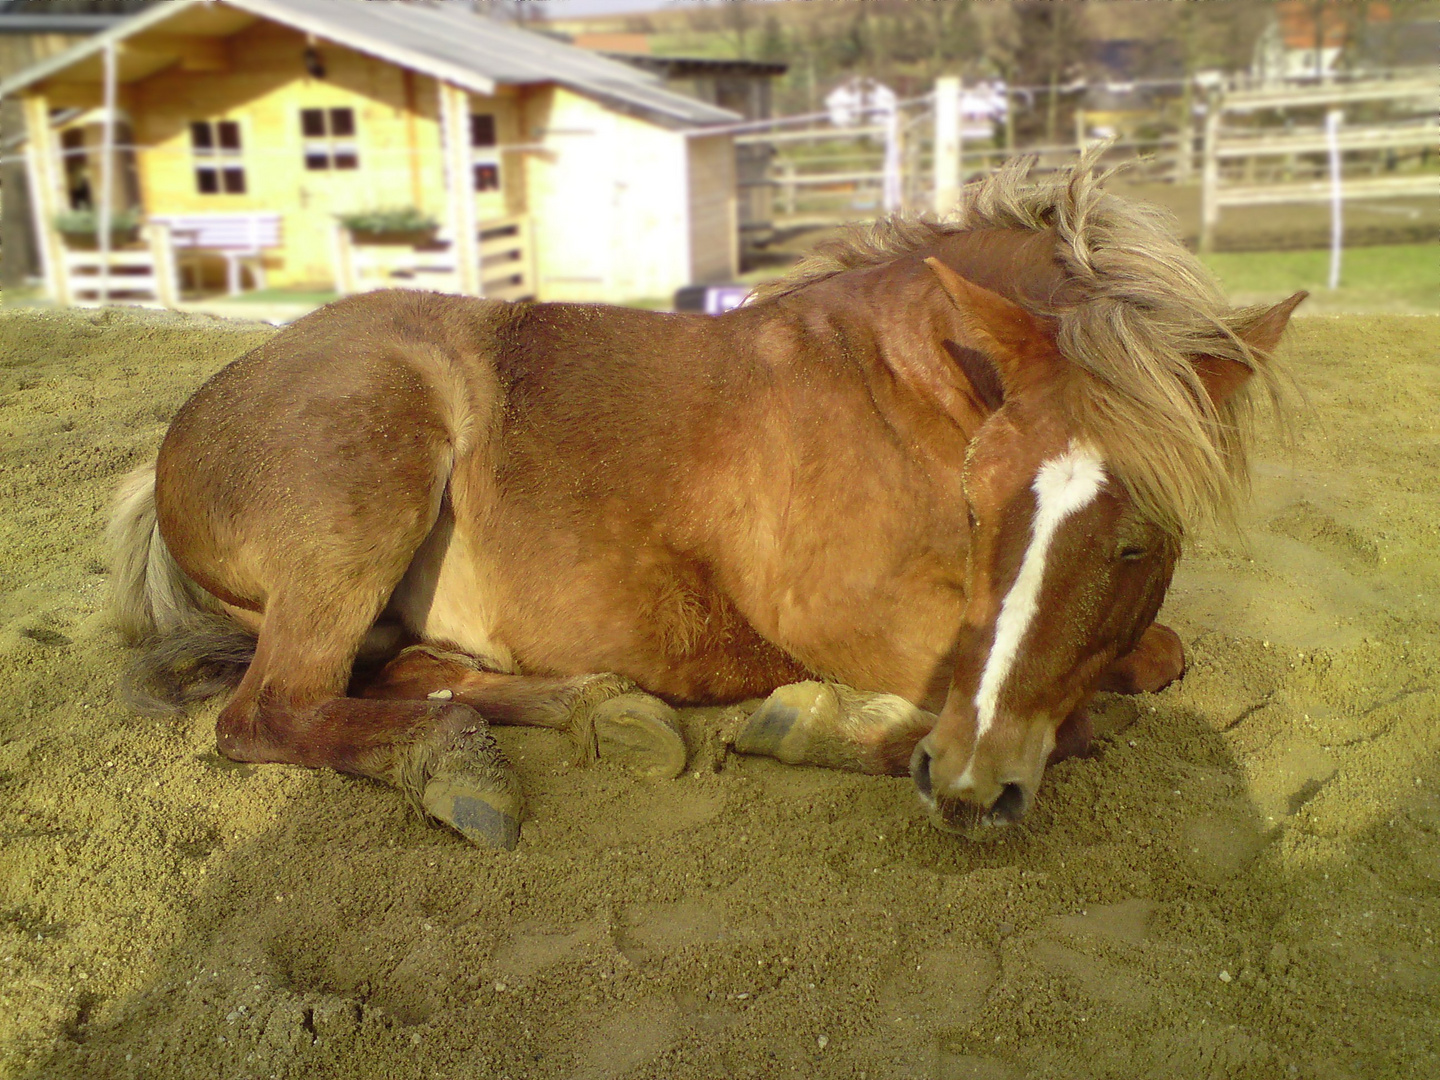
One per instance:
(1010,806)
(920,770)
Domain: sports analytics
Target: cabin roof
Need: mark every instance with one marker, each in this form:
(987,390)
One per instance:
(446,40)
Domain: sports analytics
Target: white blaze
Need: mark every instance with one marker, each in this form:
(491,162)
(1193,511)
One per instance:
(1063,486)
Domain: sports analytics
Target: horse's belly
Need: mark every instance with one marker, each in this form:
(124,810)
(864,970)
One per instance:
(535,609)
(449,596)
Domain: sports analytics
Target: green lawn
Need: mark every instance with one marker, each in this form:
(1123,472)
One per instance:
(1399,277)
(285,296)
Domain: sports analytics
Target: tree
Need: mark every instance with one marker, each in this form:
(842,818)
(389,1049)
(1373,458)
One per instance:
(774,45)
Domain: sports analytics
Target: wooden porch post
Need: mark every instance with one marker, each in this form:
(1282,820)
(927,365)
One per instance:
(162,252)
(455,137)
(107,174)
(44,196)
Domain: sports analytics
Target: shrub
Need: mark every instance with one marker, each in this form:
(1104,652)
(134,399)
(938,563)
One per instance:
(403,219)
(87,222)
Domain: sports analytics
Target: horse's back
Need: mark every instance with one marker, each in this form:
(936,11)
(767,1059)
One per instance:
(515,480)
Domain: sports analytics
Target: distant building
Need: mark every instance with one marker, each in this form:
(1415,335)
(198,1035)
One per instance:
(283,115)
(982,110)
(860,100)
(1307,39)
(743,86)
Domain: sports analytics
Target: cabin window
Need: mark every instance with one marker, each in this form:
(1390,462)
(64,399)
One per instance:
(329,136)
(484,155)
(216,150)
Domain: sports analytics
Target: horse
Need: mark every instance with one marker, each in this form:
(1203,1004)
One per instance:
(923,495)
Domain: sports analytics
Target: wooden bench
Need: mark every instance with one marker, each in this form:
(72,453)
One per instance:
(239,238)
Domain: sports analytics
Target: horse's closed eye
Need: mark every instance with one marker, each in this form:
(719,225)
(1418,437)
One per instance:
(1133,554)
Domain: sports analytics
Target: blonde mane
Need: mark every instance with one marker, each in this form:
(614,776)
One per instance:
(1138,307)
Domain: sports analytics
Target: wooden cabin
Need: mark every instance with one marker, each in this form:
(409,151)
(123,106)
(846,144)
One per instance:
(245,133)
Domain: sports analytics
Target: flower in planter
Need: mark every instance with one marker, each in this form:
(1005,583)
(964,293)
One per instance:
(400,221)
(87,222)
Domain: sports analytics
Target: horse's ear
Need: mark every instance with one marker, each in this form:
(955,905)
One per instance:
(1264,333)
(1221,377)
(997,327)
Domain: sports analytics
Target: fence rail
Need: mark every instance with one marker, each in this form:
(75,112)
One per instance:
(137,274)
(1313,191)
(1399,128)
(505,253)
(1331,94)
(1390,137)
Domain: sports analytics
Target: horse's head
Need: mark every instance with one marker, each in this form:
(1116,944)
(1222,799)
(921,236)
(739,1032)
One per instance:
(1065,572)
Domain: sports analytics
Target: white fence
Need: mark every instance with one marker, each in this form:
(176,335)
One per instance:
(1296,146)
(817,173)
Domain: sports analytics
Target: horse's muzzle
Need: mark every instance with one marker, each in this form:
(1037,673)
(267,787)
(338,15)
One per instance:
(959,815)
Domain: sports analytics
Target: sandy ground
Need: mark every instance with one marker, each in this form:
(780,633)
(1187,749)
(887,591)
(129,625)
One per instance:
(1244,883)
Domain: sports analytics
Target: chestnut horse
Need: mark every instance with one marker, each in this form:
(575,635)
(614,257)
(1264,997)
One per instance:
(941,468)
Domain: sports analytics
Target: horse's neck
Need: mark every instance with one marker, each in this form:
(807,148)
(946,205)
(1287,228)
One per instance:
(864,407)
(893,327)
(1019,264)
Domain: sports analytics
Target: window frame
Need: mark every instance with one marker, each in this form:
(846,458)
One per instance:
(218,168)
(486,175)
(330,138)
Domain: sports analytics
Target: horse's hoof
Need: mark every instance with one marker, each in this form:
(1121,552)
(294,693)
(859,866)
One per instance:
(781,727)
(639,733)
(472,789)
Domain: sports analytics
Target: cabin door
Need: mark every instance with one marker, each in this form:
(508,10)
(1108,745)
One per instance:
(576,222)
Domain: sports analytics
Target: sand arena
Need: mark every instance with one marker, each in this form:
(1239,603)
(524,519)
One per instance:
(1245,882)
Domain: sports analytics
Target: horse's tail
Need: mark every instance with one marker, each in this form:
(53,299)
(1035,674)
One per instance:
(189,650)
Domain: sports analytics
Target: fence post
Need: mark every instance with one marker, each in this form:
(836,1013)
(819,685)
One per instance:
(1210,171)
(1185,148)
(947,144)
(892,180)
(1333,119)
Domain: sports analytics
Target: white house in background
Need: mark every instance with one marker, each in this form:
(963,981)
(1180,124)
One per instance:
(860,100)
(982,108)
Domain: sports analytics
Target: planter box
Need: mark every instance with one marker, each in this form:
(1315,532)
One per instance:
(89,241)
(407,238)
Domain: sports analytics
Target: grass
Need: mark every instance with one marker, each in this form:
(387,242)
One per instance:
(285,296)
(1395,277)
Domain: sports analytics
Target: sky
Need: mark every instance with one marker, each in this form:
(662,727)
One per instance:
(580,9)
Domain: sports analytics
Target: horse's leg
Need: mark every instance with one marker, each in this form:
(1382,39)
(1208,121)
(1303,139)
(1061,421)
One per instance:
(606,714)
(1156,662)
(813,723)
(1073,737)
(290,708)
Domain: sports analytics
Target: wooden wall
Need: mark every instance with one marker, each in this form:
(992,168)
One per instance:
(714,211)
(264,88)
(611,197)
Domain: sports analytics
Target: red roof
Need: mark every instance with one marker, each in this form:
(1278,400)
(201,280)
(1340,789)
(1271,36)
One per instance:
(1336,18)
